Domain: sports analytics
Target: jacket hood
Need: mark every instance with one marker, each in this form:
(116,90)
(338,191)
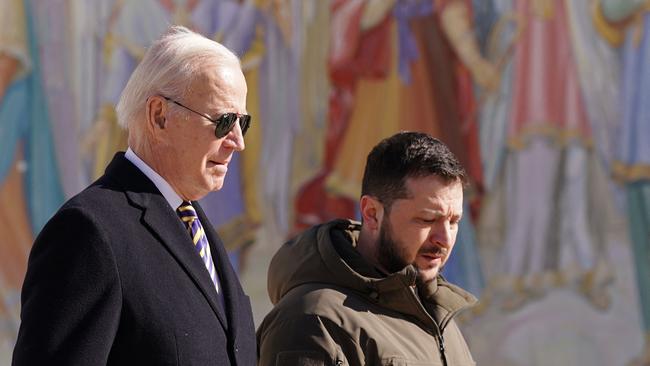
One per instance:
(312,257)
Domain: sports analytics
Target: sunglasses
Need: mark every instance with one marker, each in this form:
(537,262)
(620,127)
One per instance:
(224,123)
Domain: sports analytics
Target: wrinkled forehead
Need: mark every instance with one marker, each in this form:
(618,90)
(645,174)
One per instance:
(425,191)
(216,72)
(219,79)
(431,183)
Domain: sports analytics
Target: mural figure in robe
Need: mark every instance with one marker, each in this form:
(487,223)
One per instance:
(544,180)
(626,25)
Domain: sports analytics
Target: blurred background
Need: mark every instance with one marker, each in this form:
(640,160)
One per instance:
(546,103)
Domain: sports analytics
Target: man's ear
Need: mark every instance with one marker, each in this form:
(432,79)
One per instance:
(156,111)
(372,212)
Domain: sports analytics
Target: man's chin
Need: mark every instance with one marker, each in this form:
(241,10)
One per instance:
(216,183)
(428,275)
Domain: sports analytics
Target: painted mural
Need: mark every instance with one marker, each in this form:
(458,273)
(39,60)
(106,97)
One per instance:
(545,102)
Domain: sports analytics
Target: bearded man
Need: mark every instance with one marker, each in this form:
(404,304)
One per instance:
(371,293)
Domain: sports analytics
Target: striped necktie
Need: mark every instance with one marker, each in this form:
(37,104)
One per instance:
(191,220)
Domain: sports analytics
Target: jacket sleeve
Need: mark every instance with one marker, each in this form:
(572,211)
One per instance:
(71,297)
(304,340)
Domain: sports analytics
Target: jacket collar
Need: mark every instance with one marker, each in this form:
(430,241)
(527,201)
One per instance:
(163,222)
(436,301)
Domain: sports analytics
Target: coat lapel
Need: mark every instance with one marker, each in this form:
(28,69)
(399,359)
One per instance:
(163,222)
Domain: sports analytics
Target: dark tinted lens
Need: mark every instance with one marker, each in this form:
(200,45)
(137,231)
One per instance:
(244,123)
(225,124)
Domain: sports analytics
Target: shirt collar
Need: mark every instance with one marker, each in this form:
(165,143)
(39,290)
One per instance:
(167,191)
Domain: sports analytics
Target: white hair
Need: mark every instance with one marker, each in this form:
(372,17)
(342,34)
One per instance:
(168,68)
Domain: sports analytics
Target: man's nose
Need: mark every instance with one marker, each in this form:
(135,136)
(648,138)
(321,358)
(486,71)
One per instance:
(235,138)
(442,234)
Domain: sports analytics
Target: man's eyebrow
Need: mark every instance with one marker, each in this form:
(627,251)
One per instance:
(434,212)
(442,213)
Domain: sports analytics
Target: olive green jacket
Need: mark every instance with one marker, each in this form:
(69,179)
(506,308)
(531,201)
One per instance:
(333,308)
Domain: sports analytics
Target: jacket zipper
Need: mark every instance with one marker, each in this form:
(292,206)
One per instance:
(438,330)
(441,348)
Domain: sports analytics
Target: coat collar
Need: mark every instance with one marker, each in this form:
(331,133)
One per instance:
(163,222)
(437,300)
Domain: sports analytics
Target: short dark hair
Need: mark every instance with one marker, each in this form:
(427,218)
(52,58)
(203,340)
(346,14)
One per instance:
(407,155)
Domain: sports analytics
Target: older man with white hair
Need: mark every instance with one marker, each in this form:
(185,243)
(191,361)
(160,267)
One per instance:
(130,271)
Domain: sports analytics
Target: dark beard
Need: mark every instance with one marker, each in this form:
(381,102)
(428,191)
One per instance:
(392,259)
(388,254)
